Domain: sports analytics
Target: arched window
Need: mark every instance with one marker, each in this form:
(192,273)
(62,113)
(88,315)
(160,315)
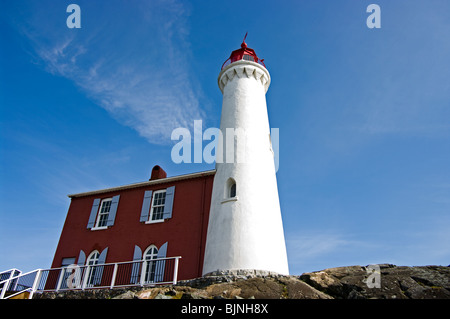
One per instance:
(233,190)
(148,270)
(93,258)
(230,188)
(92,261)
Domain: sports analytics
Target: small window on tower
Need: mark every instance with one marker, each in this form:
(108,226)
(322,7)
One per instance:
(230,191)
(233,190)
(230,188)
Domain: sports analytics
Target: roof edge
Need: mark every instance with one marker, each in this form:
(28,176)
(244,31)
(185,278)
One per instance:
(141,184)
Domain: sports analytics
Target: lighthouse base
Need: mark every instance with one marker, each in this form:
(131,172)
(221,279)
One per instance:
(243,272)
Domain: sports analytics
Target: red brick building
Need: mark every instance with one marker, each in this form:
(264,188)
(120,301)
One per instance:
(164,217)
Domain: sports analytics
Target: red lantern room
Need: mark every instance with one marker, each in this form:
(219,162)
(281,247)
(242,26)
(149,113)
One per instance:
(244,53)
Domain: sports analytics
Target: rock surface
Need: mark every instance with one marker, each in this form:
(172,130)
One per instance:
(425,282)
(353,282)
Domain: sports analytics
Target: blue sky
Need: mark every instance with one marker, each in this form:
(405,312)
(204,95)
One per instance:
(363,114)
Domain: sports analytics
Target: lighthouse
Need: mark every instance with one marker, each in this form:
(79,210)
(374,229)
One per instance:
(245,229)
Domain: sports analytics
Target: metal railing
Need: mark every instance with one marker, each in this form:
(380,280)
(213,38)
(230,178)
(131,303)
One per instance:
(19,284)
(7,274)
(6,278)
(246,57)
(74,277)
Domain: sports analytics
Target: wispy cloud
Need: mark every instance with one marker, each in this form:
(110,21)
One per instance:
(318,249)
(147,83)
(307,247)
(307,251)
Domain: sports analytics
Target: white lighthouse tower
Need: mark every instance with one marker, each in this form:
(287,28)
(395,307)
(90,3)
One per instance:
(245,230)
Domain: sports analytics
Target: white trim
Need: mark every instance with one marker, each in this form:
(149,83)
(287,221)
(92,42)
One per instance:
(143,184)
(99,228)
(152,207)
(155,221)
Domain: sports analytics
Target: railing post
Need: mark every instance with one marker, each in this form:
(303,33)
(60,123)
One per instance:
(36,282)
(113,279)
(143,271)
(4,288)
(15,281)
(60,279)
(86,277)
(175,271)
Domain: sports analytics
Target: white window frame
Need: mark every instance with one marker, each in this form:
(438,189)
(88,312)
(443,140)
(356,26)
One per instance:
(152,208)
(100,214)
(91,262)
(148,263)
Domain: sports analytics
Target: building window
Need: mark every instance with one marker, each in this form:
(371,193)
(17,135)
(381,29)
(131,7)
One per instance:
(103,214)
(230,188)
(93,271)
(230,191)
(158,203)
(248,57)
(64,275)
(233,190)
(68,261)
(149,267)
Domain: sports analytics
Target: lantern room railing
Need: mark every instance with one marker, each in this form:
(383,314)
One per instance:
(244,56)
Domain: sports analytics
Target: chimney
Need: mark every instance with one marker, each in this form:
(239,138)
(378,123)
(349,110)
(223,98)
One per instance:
(157,173)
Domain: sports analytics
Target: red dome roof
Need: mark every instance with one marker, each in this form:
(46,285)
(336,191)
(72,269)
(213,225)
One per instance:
(244,53)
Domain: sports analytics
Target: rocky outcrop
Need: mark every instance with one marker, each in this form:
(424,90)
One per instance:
(225,286)
(253,288)
(426,282)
